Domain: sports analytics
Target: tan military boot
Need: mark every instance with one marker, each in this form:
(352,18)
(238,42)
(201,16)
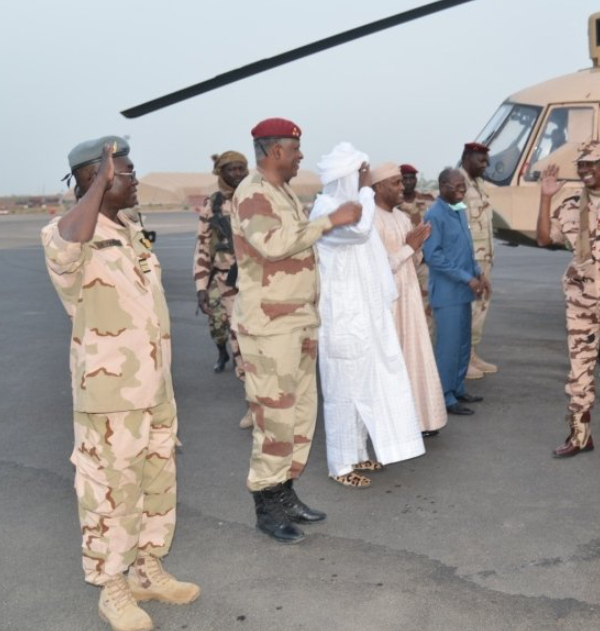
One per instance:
(148,581)
(118,607)
(247,422)
(473,372)
(485,367)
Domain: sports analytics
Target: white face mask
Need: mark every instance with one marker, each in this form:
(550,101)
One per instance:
(458,206)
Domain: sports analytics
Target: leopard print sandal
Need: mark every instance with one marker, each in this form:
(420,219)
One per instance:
(368,465)
(353,480)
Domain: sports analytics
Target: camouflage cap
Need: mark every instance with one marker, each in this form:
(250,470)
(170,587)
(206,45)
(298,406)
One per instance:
(589,151)
(90,151)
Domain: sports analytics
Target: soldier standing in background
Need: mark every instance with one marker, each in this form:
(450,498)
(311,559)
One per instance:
(276,319)
(474,162)
(575,223)
(415,204)
(109,282)
(215,268)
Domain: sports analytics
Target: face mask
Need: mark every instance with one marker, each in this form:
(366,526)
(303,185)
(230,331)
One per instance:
(459,206)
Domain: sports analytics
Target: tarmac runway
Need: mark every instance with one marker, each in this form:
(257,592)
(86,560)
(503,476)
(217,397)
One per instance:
(486,532)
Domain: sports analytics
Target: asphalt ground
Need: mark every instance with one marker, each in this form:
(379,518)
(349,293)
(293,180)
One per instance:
(486,532)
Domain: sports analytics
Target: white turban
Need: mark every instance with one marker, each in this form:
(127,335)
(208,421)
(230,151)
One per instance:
(338,171)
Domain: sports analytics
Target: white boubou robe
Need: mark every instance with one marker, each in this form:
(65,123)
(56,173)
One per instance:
(366,388)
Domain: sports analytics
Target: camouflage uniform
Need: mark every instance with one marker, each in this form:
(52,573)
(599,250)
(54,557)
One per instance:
(276,318)
(125,415)
(218,322)
(416,211)
(581,285)
(214,264)
(479,214)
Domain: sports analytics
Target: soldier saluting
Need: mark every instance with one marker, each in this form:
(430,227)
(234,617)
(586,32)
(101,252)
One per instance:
(109,282)
(575,223)
(214,257)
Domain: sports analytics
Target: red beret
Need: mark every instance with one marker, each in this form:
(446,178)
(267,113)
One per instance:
(276,128)
(476,147)
(407,168)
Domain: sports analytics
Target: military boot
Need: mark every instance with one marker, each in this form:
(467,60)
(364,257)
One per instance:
(485,367)
(473,372)
(247,422)
(580,438)
(148,581)
(118,607)
(271,517)
(222,359)
(296,510)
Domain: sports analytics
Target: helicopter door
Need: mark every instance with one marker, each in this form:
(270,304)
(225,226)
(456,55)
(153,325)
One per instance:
(562,132)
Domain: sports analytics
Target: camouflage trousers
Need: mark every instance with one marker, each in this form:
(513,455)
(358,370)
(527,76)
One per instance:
(125,485)
(281,387)
(480,307)
(217,320)
(226,299)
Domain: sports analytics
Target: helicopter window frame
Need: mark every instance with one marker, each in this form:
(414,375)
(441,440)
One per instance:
(533,112)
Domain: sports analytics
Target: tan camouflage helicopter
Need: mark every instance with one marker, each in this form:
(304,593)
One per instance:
(537,126)
(533,128)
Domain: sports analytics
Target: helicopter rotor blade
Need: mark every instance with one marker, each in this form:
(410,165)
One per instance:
(263,65)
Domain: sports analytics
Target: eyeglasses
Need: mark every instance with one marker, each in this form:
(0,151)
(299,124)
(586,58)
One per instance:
(129,174)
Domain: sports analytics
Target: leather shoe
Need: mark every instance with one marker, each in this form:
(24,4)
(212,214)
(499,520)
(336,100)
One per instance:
(296,510)
(469,398)
(430,433)
(568,450)
(458,408)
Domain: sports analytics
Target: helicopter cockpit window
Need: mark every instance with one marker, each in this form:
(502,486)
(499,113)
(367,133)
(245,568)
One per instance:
(506,135)
(564,130)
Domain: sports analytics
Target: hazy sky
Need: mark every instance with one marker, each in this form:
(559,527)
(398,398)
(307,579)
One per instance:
(414,93)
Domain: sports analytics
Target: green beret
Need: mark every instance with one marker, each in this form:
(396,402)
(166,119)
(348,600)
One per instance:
(90,151)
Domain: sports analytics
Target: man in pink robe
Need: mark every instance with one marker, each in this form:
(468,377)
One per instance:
(403,245)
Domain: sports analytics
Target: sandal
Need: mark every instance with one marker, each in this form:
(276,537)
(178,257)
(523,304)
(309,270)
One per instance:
(352,479)
(368,465)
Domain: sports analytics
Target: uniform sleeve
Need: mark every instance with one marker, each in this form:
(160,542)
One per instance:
(556,234)
(202,261)
(434,254)
(62,257)
(355,233)
(263,228)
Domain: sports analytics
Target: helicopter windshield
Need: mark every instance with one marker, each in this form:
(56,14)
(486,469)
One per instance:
(506,135)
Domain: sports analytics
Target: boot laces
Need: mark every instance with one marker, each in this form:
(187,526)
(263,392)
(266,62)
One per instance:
(155,570)
(119,593)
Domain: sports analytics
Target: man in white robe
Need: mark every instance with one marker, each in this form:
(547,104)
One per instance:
(366,388)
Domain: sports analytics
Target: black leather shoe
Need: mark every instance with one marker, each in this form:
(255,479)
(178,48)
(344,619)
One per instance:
(271,518)
(296,510)
(430,433)
(458,408)
(469,398)
(222,359)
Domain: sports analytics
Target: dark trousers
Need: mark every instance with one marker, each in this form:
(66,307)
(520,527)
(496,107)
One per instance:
(453,348)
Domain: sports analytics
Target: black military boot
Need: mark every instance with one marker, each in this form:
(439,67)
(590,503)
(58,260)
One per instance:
(271,518)
(222,359)
(296,510)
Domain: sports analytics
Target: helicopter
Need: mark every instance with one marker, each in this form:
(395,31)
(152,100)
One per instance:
(540,125)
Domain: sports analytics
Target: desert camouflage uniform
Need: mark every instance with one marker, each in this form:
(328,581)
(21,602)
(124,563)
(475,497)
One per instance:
(276,318)
(218,323)
(125,415)
(479,214)
(416,211)
(581,285)
(213,262)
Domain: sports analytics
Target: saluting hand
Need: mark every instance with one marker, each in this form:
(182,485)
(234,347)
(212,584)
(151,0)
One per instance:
(549,182)
(364,176)
(106,170)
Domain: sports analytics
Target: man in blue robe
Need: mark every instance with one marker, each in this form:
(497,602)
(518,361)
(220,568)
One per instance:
(455,280)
